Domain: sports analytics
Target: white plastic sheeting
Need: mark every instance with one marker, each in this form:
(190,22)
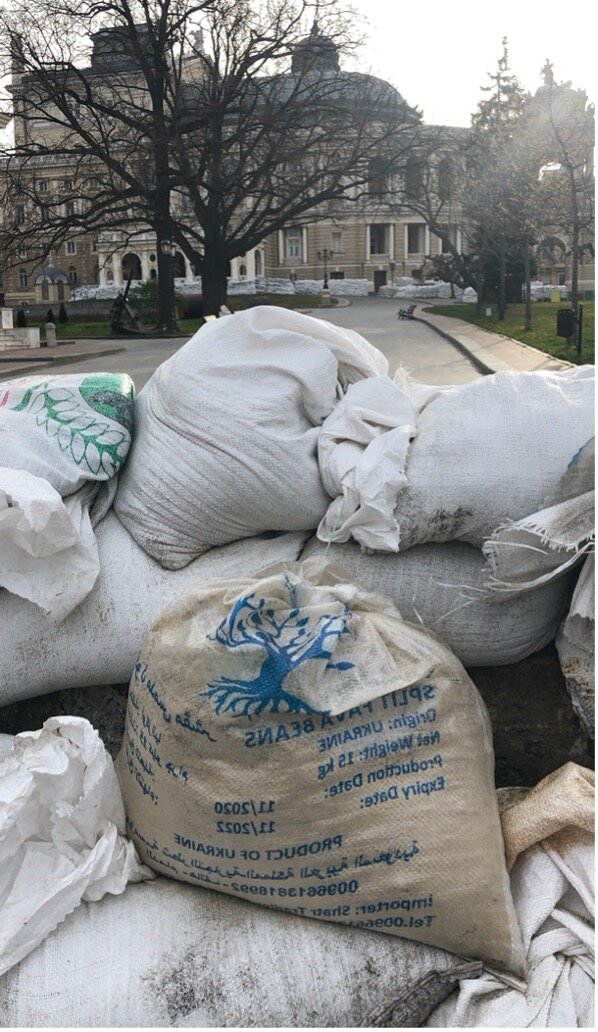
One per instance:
(62,832)
(49,551)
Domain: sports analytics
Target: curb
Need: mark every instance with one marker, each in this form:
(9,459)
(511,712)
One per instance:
(479,357)
(471,353)
(31,365)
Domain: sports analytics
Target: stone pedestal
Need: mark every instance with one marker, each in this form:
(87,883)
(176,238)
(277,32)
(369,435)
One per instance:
(51,334)
(6,317)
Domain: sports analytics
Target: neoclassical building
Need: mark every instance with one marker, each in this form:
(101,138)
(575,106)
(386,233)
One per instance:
(373,238)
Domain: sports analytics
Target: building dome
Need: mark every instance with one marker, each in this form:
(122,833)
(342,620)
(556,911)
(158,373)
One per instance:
(316,52)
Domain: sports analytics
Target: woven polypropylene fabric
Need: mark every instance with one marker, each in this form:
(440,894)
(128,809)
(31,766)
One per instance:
(165,954)
(492,450)
(227,432)
(98,642)
(444,588)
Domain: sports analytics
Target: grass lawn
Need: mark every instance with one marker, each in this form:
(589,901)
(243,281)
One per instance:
(101,328)
(543,332)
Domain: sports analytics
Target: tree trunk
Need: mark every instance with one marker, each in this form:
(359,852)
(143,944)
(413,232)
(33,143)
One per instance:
(480,290)
(213,283)
(166,318)
(502,284)
(575,265)
(528,276)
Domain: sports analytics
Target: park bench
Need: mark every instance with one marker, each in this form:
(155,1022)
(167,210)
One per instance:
(406,313)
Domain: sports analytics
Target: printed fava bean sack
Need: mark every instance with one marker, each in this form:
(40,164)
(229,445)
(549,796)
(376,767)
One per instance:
(292,741)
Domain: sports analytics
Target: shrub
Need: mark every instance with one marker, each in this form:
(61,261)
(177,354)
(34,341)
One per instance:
(50,316)
(21,320)
(62,314)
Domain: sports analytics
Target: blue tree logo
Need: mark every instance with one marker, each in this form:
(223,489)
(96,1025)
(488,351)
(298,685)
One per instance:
(287,642)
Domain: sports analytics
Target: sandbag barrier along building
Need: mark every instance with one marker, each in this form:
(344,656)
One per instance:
(378,235)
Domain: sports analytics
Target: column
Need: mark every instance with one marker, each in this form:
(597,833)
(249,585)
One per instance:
(304,245)
(391,241)
(145,265)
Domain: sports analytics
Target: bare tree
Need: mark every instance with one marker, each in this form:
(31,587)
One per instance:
(213,123)
(566,121)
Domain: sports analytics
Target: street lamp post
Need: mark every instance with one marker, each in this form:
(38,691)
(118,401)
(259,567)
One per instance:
(325,256)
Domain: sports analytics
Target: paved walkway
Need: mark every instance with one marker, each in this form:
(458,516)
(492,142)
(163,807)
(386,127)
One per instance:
(489,352)
(17,361)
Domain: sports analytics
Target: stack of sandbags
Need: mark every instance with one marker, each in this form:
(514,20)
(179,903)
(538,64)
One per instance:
(485,492)
(227,432)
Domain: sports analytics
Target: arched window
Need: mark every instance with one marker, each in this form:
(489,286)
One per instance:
(414,179)
(242,271)
(131,266)
(377,177)
(60,286)
(96,273)
(22,277)
(45,290)
(178,265)
(445,179)
(153,274)
(258,263)
(72,275)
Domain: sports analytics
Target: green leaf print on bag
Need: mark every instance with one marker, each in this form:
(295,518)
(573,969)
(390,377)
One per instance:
(91,421)
(112,395)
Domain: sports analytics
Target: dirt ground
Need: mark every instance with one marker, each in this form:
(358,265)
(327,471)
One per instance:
(535,727)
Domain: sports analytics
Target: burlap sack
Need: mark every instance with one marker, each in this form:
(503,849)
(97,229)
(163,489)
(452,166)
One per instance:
(292,741)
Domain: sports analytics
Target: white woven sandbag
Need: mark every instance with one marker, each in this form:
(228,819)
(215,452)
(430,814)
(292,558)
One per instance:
(576,646)
(444,588)
(227,432)
(292,741)
(98,642)
(168,955)
(492,450)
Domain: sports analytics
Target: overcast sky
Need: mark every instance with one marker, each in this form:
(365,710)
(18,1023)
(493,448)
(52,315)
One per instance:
(438,54)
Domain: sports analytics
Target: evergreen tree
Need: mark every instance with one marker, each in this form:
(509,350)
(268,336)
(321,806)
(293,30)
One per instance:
(50,316)
(21,320)
(501,173)
(62,314)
